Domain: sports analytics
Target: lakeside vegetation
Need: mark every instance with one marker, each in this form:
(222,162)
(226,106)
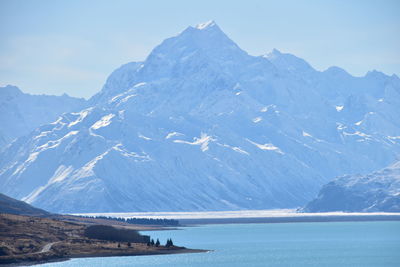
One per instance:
(29,235)
(34,239)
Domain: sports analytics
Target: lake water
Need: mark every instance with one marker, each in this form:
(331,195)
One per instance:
(283,244)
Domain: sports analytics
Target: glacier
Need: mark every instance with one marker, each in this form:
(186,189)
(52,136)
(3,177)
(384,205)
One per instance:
(201,125)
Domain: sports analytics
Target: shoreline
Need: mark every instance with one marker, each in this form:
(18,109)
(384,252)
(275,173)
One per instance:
(290,219)
(27,240)
(256,216)
(177,250)
(187,219)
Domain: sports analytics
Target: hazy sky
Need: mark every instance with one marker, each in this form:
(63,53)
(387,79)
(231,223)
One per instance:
(71,46)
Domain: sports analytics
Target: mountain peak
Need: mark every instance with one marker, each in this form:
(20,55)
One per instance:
(375,74)
(205,38)
(276,52)
(206,25)
(10,90)
(336,71)
(208,29)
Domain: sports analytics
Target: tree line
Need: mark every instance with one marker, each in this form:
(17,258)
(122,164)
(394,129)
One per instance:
(146,221)
(151,243)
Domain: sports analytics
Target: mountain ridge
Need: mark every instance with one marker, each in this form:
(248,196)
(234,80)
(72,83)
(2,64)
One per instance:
(377,191)
(21,113)
(187,129)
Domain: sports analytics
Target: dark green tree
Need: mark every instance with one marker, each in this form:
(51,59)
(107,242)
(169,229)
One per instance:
(169,243)
(157,242)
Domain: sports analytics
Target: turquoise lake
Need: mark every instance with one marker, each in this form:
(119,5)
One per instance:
(282,244)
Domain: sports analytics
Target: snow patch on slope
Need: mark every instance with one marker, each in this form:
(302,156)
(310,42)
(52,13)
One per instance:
(235,148)
(267,146)
(205,25)
(103,122)
(339,108)
(257,119)
(81,116)
(172,134)
(203,141)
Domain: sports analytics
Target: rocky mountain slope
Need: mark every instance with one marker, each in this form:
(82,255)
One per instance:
(202,125)
(13,206)
(21,113)
(377,191)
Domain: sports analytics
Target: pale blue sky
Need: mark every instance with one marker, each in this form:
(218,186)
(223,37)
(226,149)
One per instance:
(72,46)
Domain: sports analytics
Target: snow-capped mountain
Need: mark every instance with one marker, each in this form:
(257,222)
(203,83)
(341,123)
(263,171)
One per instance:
(377,191)
(202,125)
(21,113)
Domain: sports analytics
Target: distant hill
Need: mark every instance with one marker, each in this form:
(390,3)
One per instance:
(374,192)
(13,206)
(21,113)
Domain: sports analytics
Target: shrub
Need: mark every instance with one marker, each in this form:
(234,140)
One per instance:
(109,233)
